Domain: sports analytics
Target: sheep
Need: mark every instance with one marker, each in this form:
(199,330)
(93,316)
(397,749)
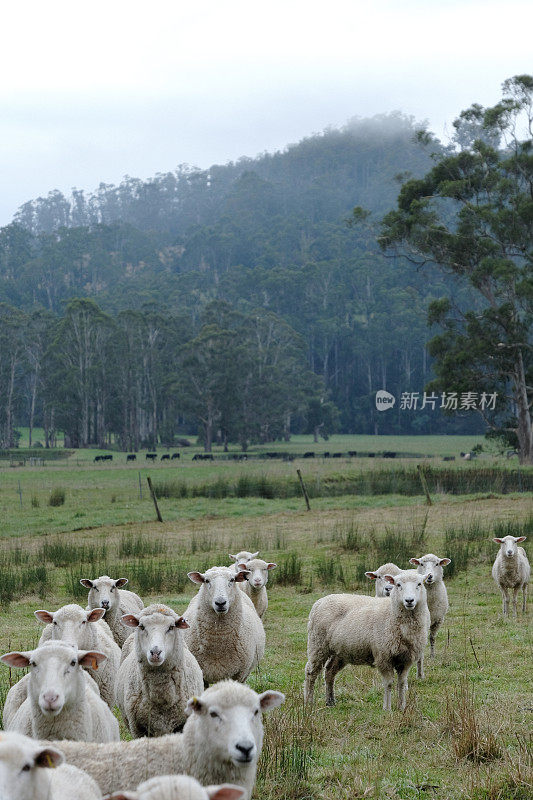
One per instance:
(388,633)
(226,636)
(179,787)
(255,584)
(60,703)
(31,771)
(159,674)
(106,593)
(87,630)
(383,587)
(244,556)
(221,742)
(437,596)
(511,570)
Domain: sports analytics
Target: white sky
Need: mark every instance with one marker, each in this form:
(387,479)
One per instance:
(91,92)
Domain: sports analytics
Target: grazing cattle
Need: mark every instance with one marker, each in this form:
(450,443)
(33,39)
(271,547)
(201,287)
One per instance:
(352,453)
(151,456)
(107,458)
(309,454)
(337,455)
(165,457)
(131,457)
(175,455)
(326,454)
(448,458)
(203,457)
(98,458)
(389,454)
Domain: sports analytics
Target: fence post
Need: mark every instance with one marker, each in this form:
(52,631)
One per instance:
(304,490)
(154,498)
(424,483)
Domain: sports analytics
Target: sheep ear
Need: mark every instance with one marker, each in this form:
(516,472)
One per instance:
(520,539)
(194,704)
(270,699)
(234,557)
(254,555)
(372,575)
(49,757)
(226,791)
(242,575)
(44,616)
(95,614)
(122,796)
(90,658)
(242,565)
(196,577)
(272,566)
(415,561)
(388,578)
(181,622)
(87,583)
(497,540)
(16,659)
(130,620)
(444,562)
(121,582)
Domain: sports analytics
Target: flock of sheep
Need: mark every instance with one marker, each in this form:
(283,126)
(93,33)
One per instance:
(181,678)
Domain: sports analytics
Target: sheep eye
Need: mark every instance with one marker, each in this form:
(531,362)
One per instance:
(73,662)
(256,712)
(419,584)
(96,589)
(213,714)
(112,588)
(206,581)
(232,580)
(26,768)
(141,627)
(84,622)
(54,623)
(170,629)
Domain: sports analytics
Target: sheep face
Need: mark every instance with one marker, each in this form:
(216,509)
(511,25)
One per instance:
(408,588)
(244,556)
(220,585)
(156,633)
(103,591)
(258,570)
(179,787)
(70,622)
(22,761)
(509,545)
(231,720)
(55,672)
(430,566)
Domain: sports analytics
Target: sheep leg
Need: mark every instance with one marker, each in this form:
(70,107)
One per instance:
(432,636)
(312,671)
(505,601)
(334,665)
(515,598)
(524,598)
(402,688)
(420,668)
(388,679)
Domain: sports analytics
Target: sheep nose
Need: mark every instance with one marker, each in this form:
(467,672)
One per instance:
(156,651)
(246,750)
(429,578)
(220,603)
(105,603)
(409,601)
(509,552)
(50,699)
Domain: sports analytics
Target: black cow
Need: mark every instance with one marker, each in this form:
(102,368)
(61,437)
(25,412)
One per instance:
(165,457)
(175,455)
(131,457)
(310,454)
(151,456)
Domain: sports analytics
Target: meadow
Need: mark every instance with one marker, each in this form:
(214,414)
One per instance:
(466,731)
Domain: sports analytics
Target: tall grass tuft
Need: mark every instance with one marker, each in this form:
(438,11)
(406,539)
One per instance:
(289,571)
(57,497)
(140,547)
(473,737)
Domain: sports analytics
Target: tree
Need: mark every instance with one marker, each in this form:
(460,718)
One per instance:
(472,216)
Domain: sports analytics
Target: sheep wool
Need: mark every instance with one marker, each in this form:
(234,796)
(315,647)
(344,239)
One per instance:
(220,743)
(437,596)
(226,635)
(158,675)
(179,787)
(511,570)
(255,585)
(106,593)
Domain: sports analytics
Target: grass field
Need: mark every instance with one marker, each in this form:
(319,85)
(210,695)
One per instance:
(466,732)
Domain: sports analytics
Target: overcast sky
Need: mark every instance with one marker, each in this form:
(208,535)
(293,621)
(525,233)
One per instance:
(91,92)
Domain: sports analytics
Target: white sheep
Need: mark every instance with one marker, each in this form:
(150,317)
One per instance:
(226,636)
(106,593)
(244,556)
(31,771)
(437,596)
(388,633)
(383,587)
(221,743)
(179,787)
(255,584)
(60,703)
(159,675)
(511,570)
(87,631)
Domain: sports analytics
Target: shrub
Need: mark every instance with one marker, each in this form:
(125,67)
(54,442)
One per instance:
(57,497)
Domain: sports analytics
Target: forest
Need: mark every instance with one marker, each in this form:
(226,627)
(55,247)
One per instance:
(242,303)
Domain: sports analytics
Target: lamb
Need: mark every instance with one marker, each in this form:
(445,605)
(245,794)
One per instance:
(243,556)
(60,703)
(437,596)
(31,771)
(511,570)
(179,787)
(388,633)
(226,636)
(255,584)
(221,742)
(105,592)
(87,631)
(159,674)
(383,587)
